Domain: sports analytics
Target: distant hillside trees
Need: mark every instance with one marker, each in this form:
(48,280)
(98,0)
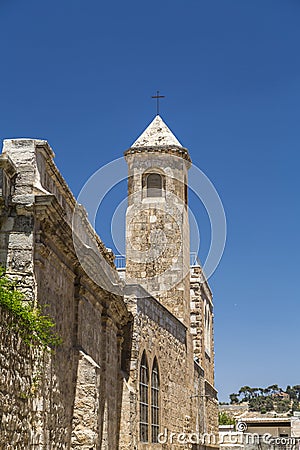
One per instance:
(271,398)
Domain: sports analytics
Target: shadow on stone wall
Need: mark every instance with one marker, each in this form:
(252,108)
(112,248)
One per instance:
(22,379)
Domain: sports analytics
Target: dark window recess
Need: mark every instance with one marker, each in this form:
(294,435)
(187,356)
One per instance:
(154,185)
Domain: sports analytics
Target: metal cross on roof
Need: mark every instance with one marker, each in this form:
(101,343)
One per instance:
(157,96)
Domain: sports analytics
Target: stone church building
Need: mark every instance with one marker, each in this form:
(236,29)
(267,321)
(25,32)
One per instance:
(135,369)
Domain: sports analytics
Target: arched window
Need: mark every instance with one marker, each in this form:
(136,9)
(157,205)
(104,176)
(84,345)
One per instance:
(144,399)
(155,402)
(154,185)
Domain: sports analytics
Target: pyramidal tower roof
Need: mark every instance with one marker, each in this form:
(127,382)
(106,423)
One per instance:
(158,138)
(157,134)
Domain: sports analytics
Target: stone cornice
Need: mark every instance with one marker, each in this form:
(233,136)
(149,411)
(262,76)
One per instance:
(66,193)
(43,145)
(174,150)
(58,232)
(55,174)
(48,207)
(198,367)
(49,211)
(210,390)
(7,164)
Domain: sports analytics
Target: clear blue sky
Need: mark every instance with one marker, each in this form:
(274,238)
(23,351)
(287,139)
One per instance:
(80,74)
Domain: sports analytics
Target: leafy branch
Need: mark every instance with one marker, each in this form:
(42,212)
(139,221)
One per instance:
(225,419)
(31,325)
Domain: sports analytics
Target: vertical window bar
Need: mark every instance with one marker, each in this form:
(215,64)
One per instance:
(144,401)
(154,403)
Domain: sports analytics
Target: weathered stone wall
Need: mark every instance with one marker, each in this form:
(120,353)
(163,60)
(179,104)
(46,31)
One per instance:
(182,385)
(80,402)
(157,230)
(157,258)
(201,301)
(88,391)
(160,335)
(22,390)
(201,306)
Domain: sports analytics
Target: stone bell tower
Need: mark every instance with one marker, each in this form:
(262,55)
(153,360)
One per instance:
(157,226)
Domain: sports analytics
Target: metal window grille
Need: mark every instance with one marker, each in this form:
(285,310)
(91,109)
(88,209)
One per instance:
(155,403)
(144,400)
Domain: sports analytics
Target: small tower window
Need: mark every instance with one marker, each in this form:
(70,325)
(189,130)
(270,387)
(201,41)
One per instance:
(144,399)
(155,402)
(185,191)
(154,185)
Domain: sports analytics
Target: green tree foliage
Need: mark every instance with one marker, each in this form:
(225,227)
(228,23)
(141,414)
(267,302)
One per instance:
(271,398)
(294,392)
(225,419)
(31,325)
(245,393)
(295,405)
(274,389)
(234,398)
(283,405)
(261,404)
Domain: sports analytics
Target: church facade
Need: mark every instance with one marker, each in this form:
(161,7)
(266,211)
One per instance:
(135,369)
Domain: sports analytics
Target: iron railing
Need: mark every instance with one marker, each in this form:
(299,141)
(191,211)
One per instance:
(120,260)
